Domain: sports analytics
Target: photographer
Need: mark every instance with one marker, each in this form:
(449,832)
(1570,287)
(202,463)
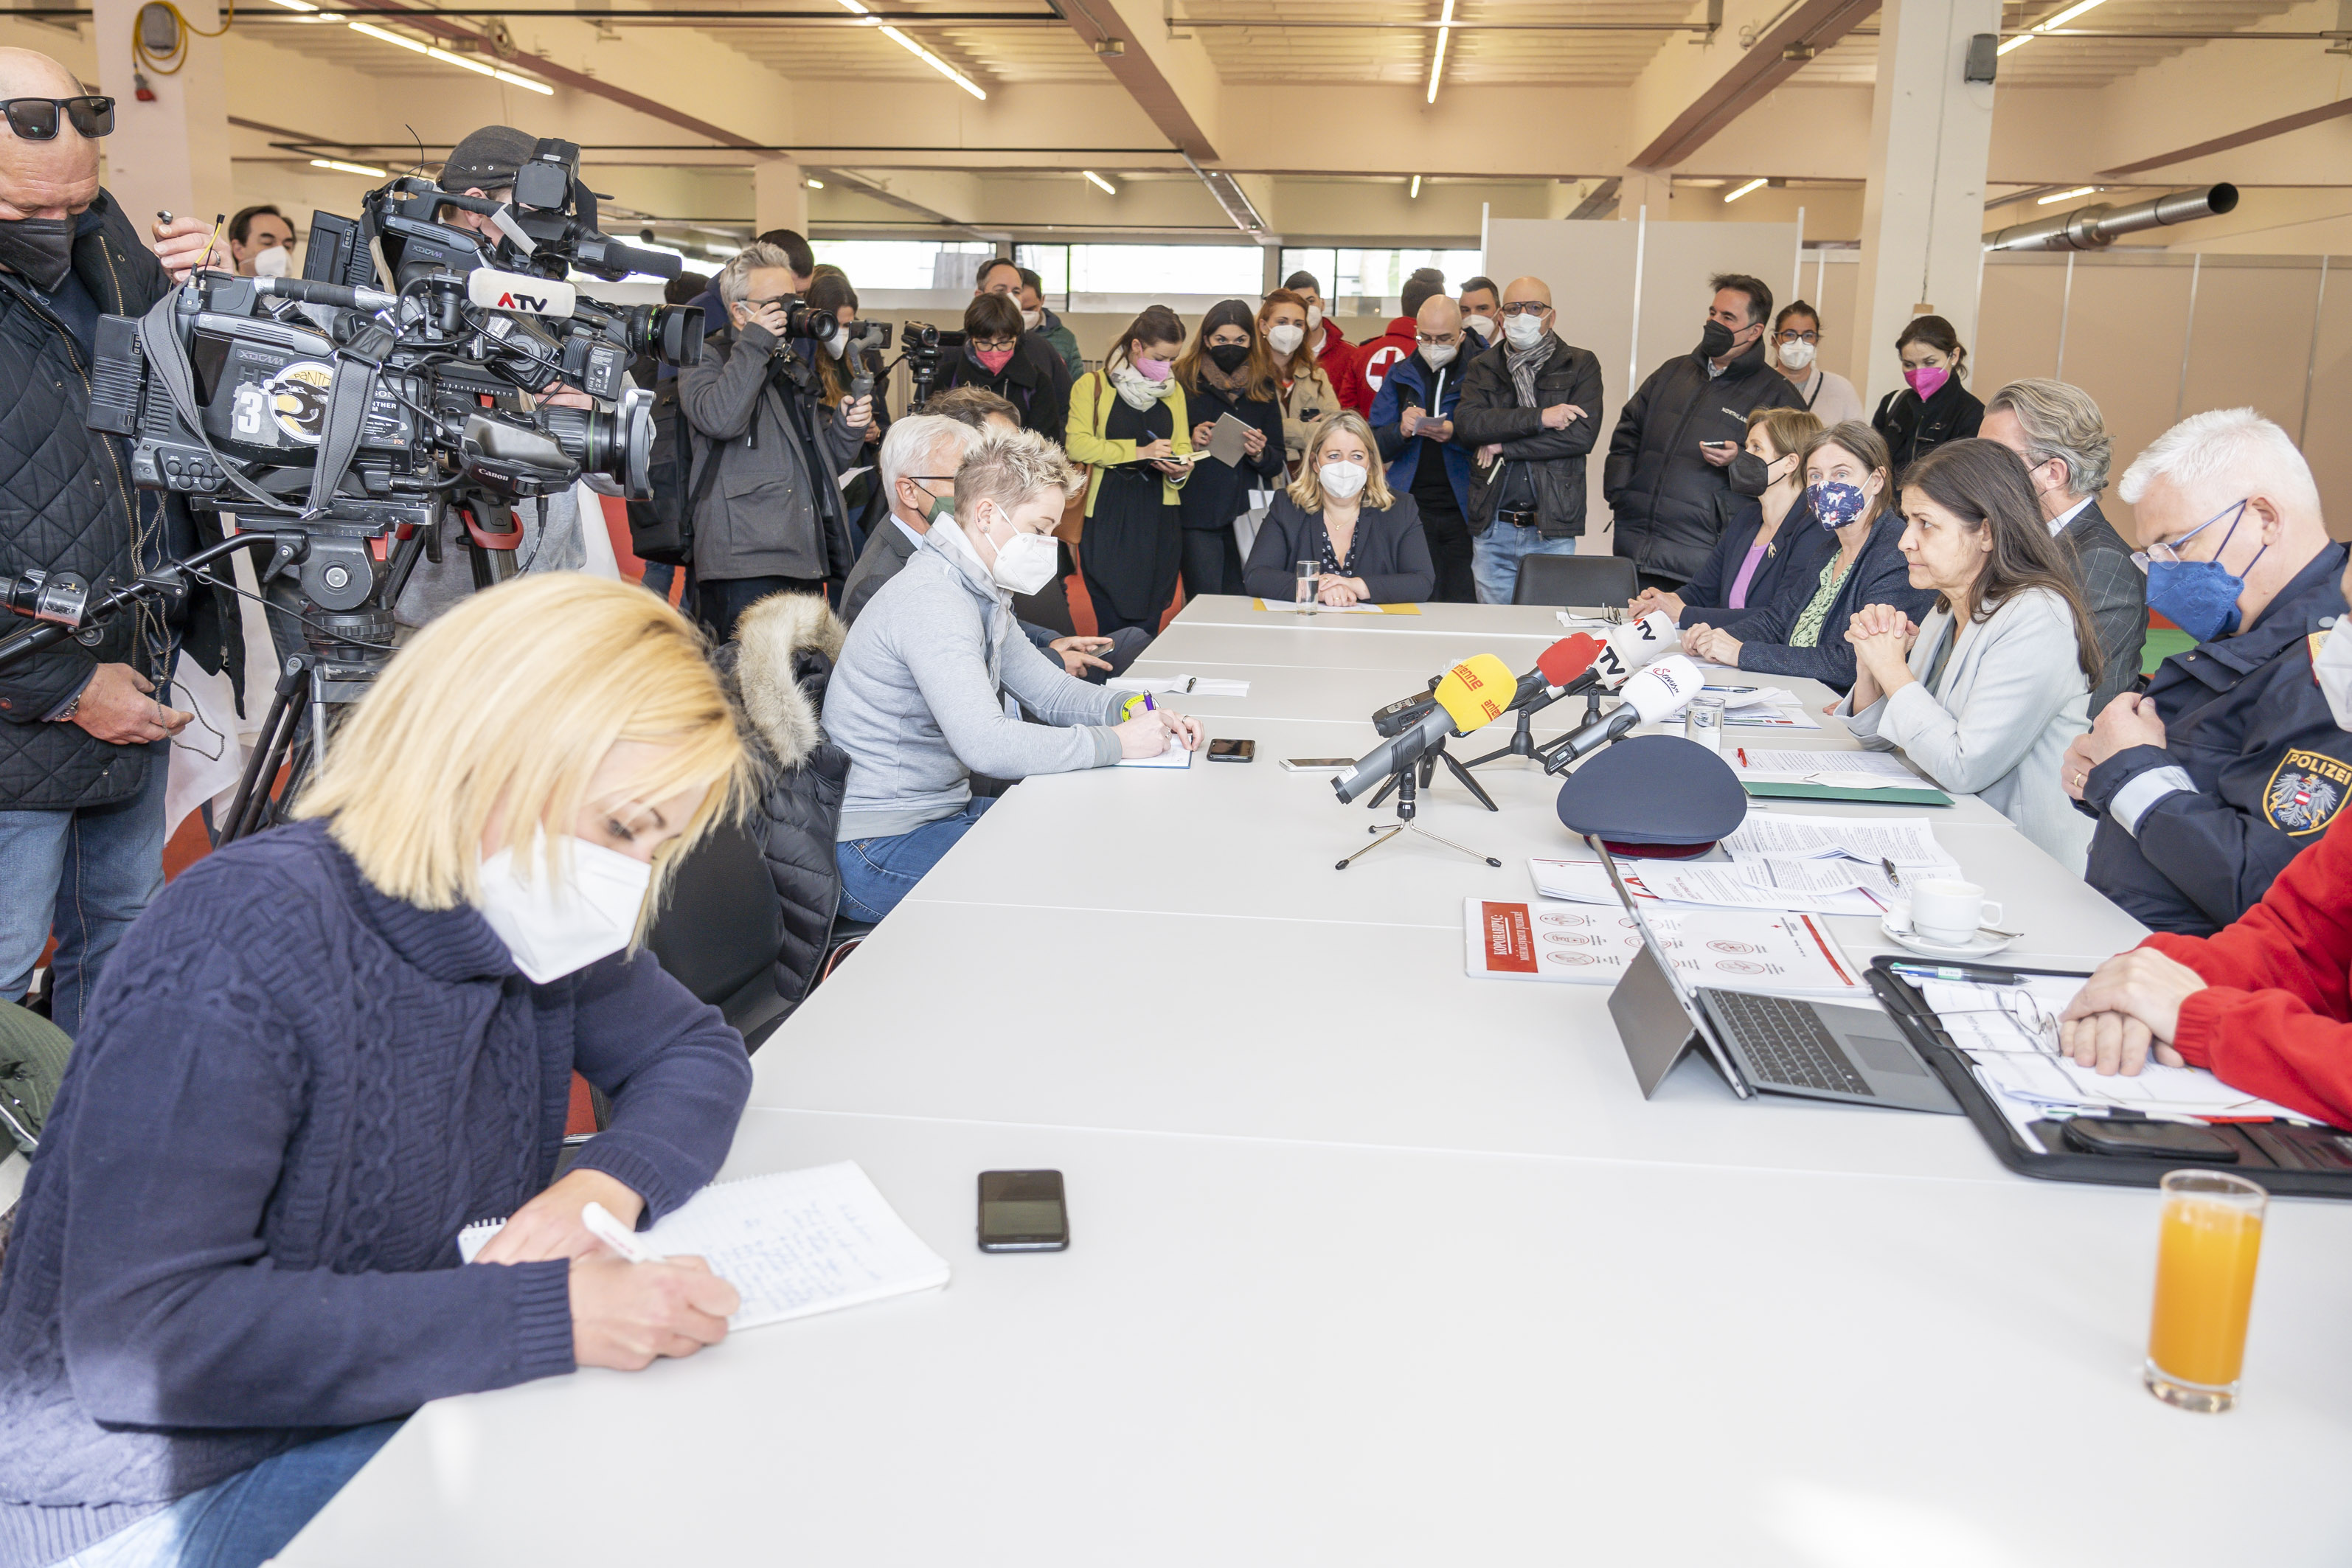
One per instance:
(83,732)
(767,516)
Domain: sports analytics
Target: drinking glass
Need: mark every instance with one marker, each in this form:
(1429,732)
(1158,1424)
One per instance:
(2211,1238)
(1703,723)
(1310,576)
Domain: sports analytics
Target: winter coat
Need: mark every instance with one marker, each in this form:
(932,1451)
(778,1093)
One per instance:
(1407,385)
(1091,401)
(1035,381)
(1063,341)
(1342,363)
(1661,491)
(780,660)
(1914,428)
(67,505)
(1382,355)
(767,514)
(1307,403)
(1216,494)
(1490,415)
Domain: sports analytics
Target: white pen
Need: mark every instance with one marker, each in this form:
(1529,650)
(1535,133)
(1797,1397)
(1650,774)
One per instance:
(617,1236)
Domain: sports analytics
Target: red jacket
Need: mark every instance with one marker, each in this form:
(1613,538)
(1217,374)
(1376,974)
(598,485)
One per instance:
(1375,358)
(2275,1015)
(1339,358)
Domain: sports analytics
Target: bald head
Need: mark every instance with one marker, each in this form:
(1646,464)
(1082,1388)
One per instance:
(1526,289)
(43,179)
(1439,316)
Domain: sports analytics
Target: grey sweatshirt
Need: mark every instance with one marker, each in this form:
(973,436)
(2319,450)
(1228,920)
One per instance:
(917,696)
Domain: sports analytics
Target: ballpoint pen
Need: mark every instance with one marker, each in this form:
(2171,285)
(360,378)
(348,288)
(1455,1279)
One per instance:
(604,1227)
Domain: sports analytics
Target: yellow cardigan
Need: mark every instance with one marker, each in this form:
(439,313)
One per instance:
(1090,403)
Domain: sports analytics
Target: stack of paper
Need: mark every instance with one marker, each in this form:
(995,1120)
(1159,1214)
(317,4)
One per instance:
(2009,1034)
(1738,950)
(1834,887)
(793,1244)
(1907,841)
(1839,770)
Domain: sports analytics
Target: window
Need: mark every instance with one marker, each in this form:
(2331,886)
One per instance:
(1051,263)
(1235,271)
(906,263)
(1377,274)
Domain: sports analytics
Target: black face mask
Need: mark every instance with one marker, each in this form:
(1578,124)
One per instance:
(1229,357)
(38,250)
(1749,475)
(1716,341)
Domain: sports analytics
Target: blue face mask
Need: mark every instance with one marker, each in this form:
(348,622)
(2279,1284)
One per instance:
(1836,504)
(2200,597)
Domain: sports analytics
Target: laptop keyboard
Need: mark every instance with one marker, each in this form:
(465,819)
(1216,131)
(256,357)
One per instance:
(1786,1042)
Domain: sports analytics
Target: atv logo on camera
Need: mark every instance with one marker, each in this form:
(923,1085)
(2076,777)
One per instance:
(510,300)
(296,399)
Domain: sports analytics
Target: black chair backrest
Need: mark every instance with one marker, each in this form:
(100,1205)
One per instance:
(1575,580)
(720,929)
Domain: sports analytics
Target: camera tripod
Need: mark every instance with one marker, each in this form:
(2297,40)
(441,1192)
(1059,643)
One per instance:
(1408,810)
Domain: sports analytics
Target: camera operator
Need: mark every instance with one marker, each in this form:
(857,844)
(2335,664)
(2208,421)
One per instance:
(770,518)
(83,736)
(484,164)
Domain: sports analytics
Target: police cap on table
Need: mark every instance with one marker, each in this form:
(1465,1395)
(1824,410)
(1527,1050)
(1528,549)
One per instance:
(1658,795)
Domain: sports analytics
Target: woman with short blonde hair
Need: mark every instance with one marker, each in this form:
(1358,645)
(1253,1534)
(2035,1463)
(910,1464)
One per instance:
(326,1048)
(1339,514)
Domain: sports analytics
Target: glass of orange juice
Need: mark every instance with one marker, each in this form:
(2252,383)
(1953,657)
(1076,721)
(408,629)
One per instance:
(2211,1237)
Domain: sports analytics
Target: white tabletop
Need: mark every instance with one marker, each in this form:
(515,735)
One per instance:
(1256,1352)
(1421,620)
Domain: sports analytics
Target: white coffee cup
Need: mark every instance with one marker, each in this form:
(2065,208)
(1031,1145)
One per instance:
(1949,911)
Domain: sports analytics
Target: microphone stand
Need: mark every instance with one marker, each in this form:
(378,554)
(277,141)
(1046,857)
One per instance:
(1408,809)
(1522,743)
(1427,767)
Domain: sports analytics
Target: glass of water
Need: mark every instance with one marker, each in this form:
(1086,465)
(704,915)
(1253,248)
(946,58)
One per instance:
(1703,721)
(1311,576)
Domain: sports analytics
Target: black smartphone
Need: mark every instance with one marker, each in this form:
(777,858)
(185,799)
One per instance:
(1720,446)
(1022,1211)
(1233,750)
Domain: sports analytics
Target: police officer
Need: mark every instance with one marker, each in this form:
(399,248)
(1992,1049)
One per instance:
(2231,763)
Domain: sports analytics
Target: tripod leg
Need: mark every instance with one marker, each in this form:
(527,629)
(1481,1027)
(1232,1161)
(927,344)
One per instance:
(1453,766)
(247,814)
(1386,790)
(1465,848)
(1375,843)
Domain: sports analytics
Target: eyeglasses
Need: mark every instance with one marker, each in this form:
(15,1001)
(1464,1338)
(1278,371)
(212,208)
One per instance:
(1437,340)
(2169,552)
(993,345)
(1527,308)
(36,118)
(1794,336)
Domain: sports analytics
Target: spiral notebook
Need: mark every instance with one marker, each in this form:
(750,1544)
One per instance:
(793,1243)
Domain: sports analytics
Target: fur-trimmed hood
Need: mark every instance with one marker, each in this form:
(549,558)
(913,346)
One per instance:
(772,637)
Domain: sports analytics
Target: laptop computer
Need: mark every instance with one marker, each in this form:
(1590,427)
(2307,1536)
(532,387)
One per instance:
(1772,1045)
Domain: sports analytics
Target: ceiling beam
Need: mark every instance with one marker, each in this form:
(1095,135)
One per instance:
(1167,73)
(1803,31)
(2252,133)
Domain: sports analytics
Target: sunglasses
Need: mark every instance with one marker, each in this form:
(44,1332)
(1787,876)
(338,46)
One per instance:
(36,118)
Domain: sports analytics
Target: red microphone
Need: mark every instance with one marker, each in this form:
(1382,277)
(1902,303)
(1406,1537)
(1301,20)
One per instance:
(1556,667)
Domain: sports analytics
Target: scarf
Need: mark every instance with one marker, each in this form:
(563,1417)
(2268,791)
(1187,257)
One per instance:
(1234,385)
(1524,364)
(1138,391)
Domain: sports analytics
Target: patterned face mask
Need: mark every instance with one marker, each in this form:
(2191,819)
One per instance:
(1837,503)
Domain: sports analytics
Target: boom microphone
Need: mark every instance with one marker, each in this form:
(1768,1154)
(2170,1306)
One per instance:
(1657,692)
(1472,694)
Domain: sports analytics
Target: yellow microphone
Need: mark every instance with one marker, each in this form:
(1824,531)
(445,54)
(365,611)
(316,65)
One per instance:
(1476,692)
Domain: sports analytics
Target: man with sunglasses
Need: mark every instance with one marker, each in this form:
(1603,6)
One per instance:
(2231,763)
(84,731)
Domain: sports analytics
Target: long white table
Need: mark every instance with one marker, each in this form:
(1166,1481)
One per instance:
(1375,1263)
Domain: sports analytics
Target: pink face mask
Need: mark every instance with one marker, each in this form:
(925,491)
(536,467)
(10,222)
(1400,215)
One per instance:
(1927,379)
(994,360)
(1152,369)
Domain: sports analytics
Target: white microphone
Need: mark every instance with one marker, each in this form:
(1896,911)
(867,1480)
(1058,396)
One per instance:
(1654,694)
(519,293)
(1634,645)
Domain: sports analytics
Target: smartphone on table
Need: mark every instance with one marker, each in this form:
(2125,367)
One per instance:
(1233,750)
(1022,1211)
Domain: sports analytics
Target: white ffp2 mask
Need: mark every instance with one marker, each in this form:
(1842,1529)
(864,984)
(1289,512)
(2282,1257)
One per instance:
(1525,331)
(1341,480)
(275,262)
(1025,562)
(552,927)
(1285,336)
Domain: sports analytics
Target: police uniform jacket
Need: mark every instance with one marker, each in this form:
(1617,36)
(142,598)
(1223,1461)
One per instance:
(2252,770)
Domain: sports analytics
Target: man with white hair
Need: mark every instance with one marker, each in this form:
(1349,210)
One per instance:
(2231,763)
(918,458)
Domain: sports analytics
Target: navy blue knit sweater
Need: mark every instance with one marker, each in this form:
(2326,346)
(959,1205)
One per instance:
(240,1230)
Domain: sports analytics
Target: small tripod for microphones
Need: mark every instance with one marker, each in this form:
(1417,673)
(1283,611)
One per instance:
(1408,808)
(1427,768)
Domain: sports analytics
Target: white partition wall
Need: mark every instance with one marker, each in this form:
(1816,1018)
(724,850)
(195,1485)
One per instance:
(1635,293)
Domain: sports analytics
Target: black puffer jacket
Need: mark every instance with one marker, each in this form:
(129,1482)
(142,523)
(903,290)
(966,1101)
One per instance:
(67,505)
(1661,491)
(1913,427)
(780,660)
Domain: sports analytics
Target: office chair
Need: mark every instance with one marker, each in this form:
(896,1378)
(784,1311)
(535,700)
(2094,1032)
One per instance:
(1578,580)
(719,932)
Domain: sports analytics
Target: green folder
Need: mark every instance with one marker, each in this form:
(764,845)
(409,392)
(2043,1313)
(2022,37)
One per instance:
(1925,795)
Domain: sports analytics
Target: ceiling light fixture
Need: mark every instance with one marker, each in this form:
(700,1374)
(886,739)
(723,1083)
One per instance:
(1107,188)
(1437,59)
(1416,186)
(446,58)
(2067,196)
(856,8)
(2060,20)
(816,184)
(297,4)
(1754,184)
(343,168)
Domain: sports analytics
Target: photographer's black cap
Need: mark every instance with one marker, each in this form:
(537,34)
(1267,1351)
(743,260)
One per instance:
(487,159)
(1658,795)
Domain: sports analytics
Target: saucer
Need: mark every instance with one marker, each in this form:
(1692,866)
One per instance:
(1982,946)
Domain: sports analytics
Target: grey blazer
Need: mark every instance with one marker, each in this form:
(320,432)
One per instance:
(2116,594)
(2011,701)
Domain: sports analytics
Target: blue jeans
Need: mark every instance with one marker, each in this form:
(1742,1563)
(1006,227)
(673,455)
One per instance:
(660,575)
(876,873)
(87,873)
(247,1519)
(1495,555)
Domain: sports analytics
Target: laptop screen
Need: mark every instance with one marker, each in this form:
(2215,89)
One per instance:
(1654,1039)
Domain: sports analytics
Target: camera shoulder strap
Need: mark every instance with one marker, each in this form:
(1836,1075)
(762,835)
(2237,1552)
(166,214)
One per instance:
(158,339)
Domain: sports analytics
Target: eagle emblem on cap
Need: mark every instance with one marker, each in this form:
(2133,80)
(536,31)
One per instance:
(2304,791)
